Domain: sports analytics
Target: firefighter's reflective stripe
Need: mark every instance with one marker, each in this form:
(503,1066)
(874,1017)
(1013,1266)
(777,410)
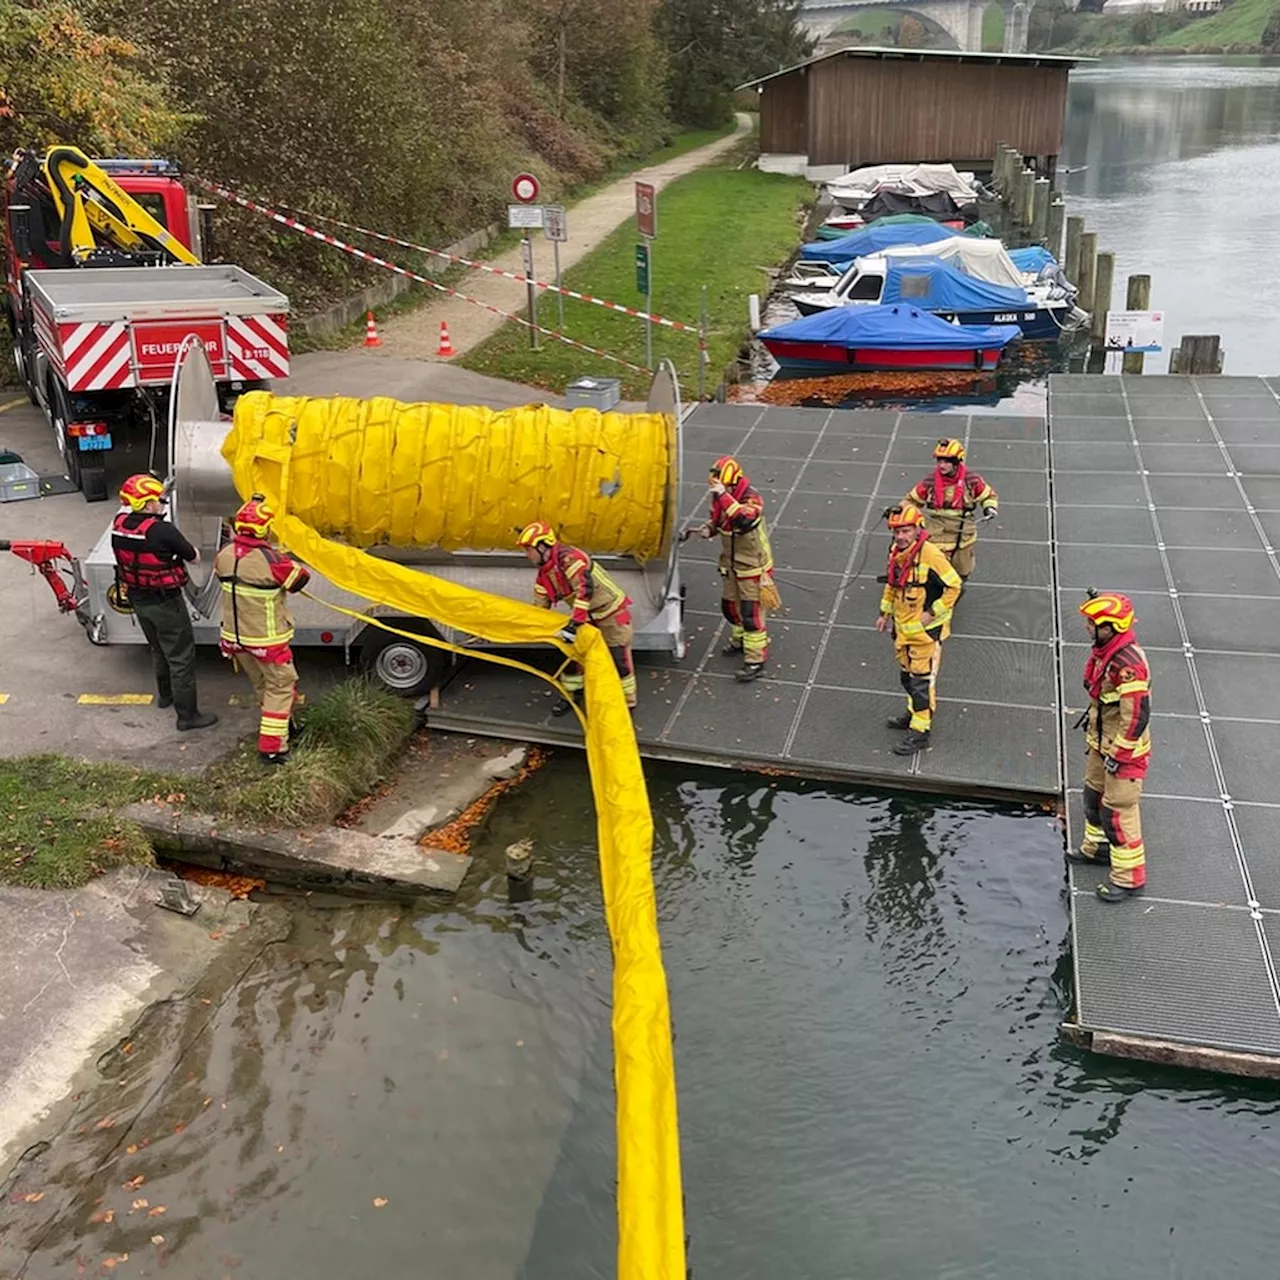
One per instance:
(270,613)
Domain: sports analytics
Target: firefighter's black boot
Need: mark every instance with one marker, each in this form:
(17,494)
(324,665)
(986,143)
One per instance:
(899,722)
(164,695)
(189,714)
(565,705)
(913,742)
(748,672)
(1109,891)
(274,757)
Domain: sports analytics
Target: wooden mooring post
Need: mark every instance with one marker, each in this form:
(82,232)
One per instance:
(1198,354)
(1027,192)
(1041,192)
(1137,298)
(1084,277)
(1071,261)
(1053,231)
(1104,274)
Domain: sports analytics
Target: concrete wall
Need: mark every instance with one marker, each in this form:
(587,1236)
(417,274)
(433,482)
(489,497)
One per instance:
(351,309)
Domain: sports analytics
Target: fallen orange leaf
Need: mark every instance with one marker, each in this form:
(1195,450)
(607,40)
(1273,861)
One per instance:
(107,1215)
(131,1149)
(159,1211)
(379,1202)
(134,1183)
(157,1239)
(141,1203)
(112,1263)
(107,1122)
(33,1197)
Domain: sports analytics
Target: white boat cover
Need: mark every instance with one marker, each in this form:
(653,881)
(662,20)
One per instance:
(982,259)
(913,179)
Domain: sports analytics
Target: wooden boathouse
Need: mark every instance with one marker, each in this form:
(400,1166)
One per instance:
(864,105)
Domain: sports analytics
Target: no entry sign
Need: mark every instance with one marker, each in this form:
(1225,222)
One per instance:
(525,188)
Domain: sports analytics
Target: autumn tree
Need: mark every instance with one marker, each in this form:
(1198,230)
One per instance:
(713,45)
(62,80)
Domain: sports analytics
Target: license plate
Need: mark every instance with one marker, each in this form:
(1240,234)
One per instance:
(89,443)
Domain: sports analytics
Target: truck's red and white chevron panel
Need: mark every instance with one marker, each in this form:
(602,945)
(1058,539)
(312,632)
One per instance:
(259,346)
(95,357)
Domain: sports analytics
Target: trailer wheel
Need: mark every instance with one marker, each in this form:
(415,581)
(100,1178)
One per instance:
(88,477)
(401,665)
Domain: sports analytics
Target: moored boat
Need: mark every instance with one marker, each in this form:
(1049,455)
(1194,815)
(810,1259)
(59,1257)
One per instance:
(929,284)
(898,337)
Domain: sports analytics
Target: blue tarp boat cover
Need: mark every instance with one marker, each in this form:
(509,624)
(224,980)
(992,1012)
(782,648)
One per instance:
(900,328)
(936,286)
(1032,258)
(872,239)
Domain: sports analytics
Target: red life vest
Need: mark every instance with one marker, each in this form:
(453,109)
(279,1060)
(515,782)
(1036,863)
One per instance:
(959,495)
(138,567)
(902,564)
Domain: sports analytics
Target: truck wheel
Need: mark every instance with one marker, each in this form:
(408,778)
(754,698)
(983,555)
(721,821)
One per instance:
(401,665)
(22,358)
(59,419)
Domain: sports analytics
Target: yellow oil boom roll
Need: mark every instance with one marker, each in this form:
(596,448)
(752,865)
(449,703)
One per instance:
(459,476)
(377,471)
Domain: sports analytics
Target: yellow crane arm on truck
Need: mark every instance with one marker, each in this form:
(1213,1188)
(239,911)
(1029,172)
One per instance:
(95,211)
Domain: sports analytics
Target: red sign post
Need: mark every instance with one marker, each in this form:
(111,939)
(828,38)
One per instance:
(646,210)
(525,188)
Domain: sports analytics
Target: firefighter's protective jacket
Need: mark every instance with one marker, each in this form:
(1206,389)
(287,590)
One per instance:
(1118,681)
(255,578)
(952,507)
(738,517)
(920,580)
(570,574)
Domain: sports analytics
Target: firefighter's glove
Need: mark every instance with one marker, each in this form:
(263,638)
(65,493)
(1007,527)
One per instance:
(989,513)
(569,633)
(1111,764)
(716,487)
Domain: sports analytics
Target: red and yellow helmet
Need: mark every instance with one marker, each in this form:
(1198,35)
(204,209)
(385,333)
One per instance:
(1109,608)
(138,490)
(536,534)
(727,470)
(952,450)
(254,517)
(904,516)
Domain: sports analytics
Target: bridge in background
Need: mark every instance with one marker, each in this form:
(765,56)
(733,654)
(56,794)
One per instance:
(959,20)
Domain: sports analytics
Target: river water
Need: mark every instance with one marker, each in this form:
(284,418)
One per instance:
(1181,180)
(865,989)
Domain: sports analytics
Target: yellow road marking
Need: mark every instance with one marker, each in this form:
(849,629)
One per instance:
(4,697)
(115,699)
(13,404)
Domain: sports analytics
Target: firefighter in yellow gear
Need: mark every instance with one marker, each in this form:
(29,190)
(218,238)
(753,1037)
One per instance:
(921,588)
(1117,727)
(566,573)
(954,501)
(257,628)
(748,593)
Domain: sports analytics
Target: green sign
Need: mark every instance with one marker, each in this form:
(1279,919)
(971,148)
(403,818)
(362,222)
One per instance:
(642,269)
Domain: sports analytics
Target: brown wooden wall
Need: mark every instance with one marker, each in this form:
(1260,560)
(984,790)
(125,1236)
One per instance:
(784,109)
(867,111)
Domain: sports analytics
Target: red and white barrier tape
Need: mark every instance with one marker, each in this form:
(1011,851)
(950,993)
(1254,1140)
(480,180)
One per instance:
(294,225)
(228,194)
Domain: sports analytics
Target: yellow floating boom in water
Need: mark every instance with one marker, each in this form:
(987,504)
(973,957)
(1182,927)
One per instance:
(426,475)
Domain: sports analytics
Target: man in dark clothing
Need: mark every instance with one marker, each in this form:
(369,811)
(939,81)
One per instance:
(151,572)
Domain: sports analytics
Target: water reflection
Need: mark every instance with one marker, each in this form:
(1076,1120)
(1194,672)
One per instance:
(1181,169)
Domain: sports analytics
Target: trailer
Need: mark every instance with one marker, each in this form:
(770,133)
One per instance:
(202,498)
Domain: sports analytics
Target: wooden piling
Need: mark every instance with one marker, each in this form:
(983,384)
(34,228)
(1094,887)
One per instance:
(1104,274)
(1053,230)
(1197,354)
(1040,193)
(1088,262)
(1137,298)
(1028,209)
(1071,263)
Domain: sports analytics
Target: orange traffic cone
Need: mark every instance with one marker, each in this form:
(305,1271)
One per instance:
(371,338)
(445,349)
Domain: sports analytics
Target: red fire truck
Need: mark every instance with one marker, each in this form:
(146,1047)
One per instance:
(103,281)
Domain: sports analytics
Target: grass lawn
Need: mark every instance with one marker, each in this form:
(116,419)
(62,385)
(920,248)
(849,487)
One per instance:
(1242,22)
(993,28)
(718,227)
(60,824)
